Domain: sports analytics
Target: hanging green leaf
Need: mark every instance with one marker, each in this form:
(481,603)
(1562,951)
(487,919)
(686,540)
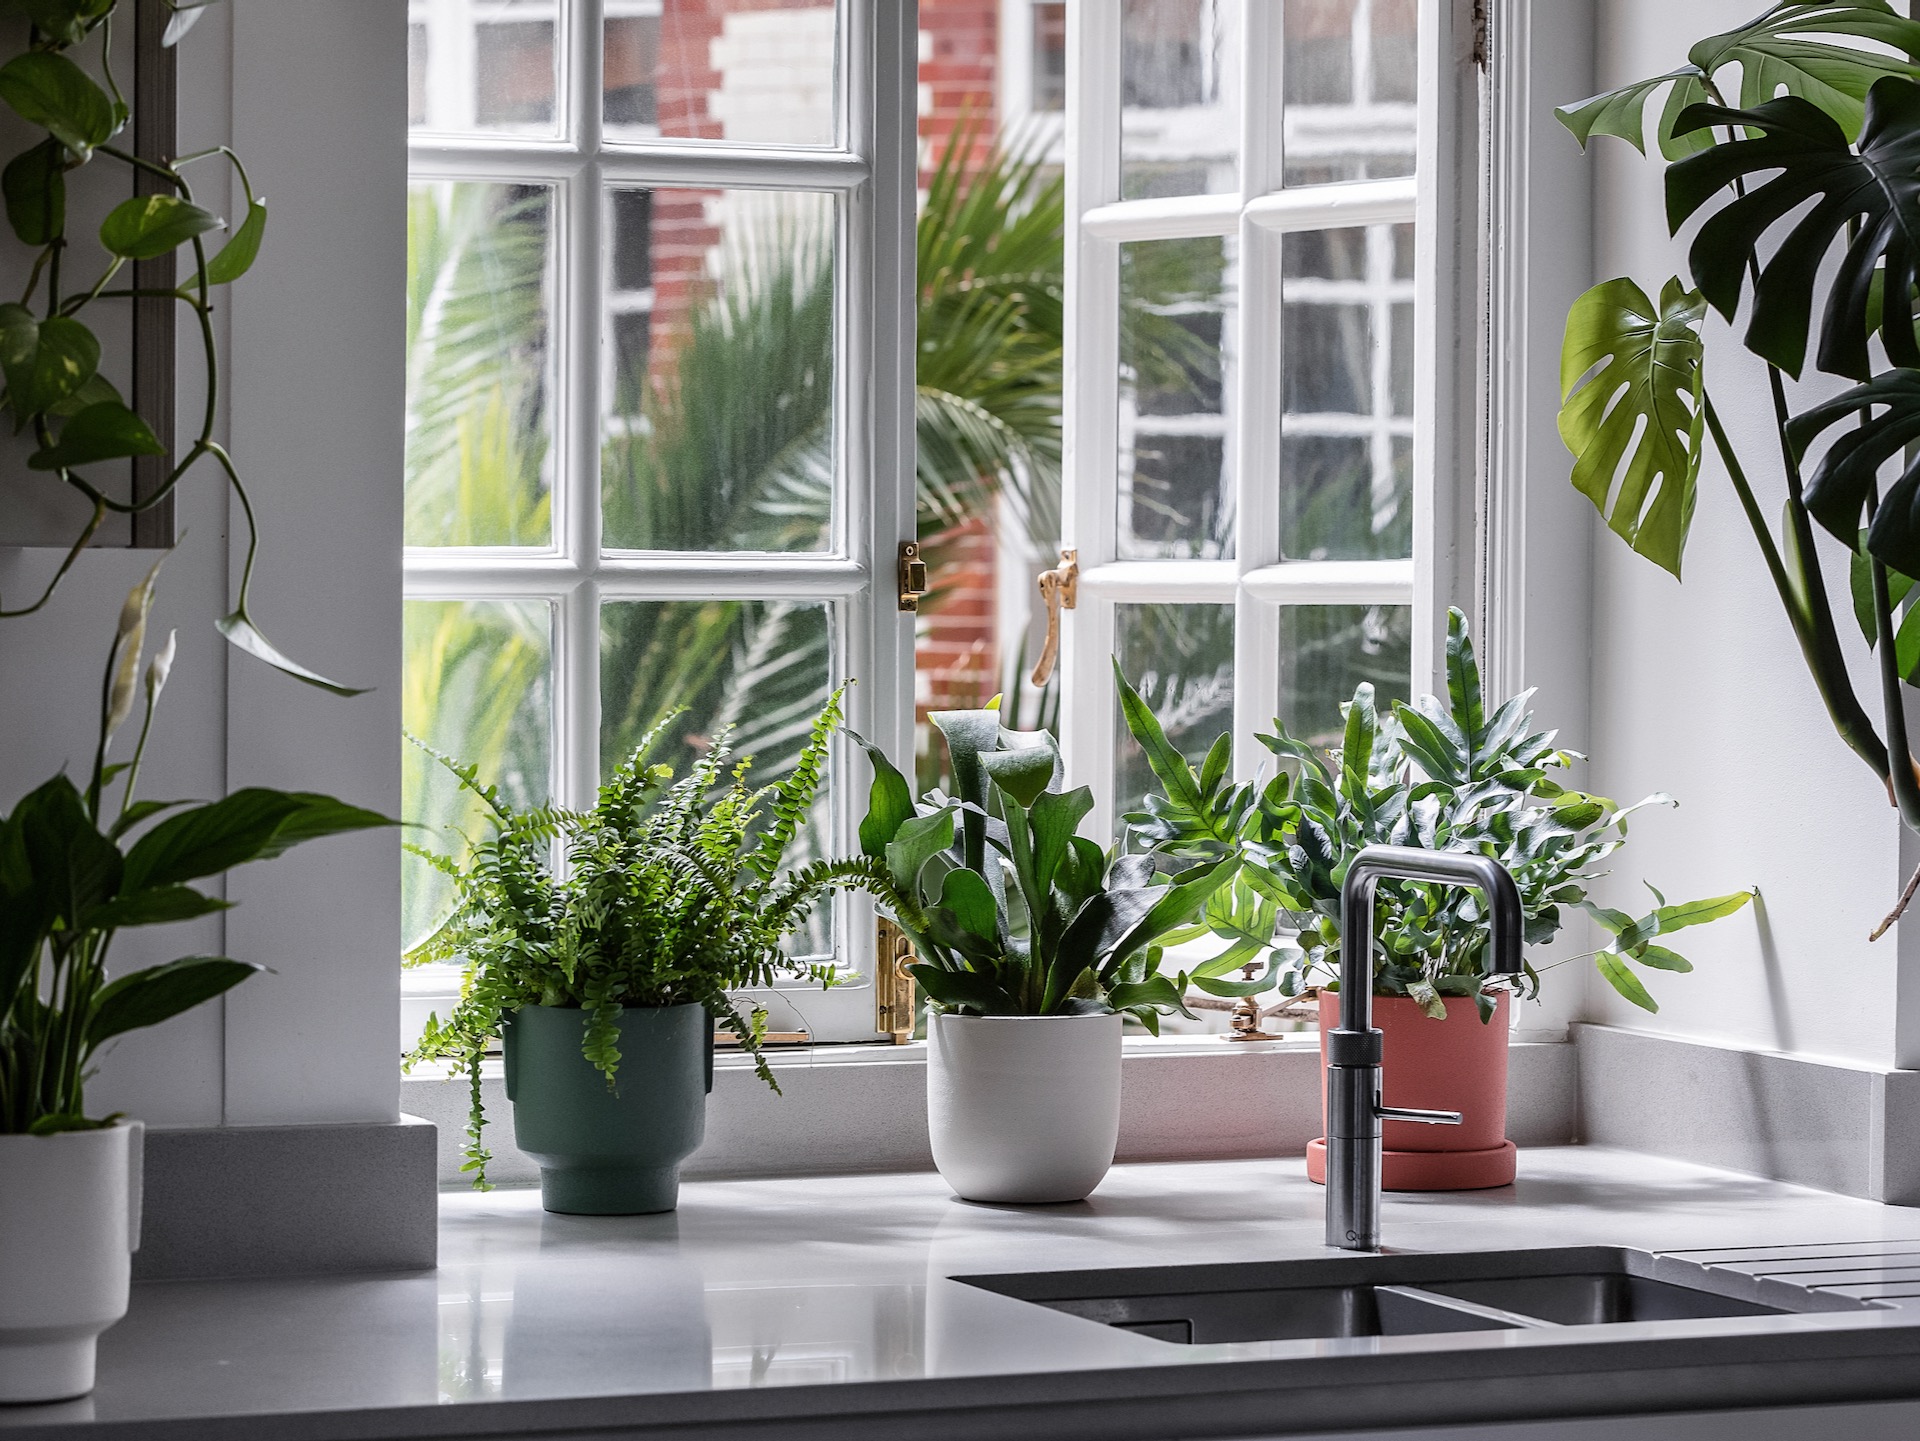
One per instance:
(95,389)
(236,257)
(52,92)
(1838,489)
(152,225)
(158,993)
(65,22)
(1624,981)
(44,361)
(1807,155)
(1630,380)
(105,431)
(1776,52)
(243,634)
(34,185)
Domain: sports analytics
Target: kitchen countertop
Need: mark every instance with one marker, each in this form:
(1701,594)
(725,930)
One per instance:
(763,1299)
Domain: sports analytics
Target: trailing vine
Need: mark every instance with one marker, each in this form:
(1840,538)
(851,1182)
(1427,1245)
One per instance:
(49,355)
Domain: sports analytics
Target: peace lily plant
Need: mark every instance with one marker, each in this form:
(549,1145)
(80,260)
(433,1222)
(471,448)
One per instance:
(1804,191)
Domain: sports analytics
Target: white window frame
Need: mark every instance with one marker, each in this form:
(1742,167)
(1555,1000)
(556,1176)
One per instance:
(1256,582)
(869,171)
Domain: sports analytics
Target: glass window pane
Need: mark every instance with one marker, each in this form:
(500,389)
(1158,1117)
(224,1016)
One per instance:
(763,668)
(1327,650)
(484,69)
(1177,301)
(752,72)
(1179,119)
(1049,56)
(1180,659)
(479,423)
(1348,90)
(1347,388)
(720,355)
(477,687)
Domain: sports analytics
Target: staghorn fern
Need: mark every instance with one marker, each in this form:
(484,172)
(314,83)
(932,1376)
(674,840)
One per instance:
(671,894)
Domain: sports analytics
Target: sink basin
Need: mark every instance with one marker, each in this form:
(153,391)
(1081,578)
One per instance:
(1399,1295)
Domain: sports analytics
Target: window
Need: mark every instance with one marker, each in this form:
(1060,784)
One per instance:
(1245,306)
(651,370)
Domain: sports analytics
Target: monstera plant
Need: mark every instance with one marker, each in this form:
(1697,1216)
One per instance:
(62,82)
(1807,195)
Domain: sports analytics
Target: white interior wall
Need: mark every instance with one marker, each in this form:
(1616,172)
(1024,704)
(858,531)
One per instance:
(1698,689)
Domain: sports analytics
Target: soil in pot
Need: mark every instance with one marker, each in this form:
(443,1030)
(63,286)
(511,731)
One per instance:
(609,1151)
(1459,1064)
(1023,1109)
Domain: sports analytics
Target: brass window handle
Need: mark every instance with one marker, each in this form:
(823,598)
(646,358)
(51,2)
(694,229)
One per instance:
(1059,587)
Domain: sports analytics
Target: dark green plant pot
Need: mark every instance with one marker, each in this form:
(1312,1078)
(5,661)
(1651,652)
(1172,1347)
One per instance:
(607,1152)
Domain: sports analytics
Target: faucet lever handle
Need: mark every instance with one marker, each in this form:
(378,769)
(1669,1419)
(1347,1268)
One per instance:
(1430,1118)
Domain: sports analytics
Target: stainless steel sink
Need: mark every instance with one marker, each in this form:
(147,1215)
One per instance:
(1402,1295)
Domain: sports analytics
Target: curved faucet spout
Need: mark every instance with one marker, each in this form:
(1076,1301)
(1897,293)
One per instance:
(1354,1112)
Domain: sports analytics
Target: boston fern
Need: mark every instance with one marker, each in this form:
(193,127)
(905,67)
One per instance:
(672,893)
(1439,775)
(1011,911)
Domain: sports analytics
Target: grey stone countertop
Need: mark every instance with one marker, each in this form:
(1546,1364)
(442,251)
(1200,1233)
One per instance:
(822,1307)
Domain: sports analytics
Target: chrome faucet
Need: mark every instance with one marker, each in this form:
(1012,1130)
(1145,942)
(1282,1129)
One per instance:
(1354,1112)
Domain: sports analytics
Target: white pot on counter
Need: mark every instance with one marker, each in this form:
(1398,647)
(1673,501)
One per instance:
(1023,1108)
(69,1225)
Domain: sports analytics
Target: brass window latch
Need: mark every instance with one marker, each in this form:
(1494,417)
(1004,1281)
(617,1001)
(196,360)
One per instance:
(910,572)
(892,983)
(1059,588)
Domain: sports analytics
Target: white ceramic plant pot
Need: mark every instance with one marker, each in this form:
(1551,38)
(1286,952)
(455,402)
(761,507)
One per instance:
(69,1225)
(1023,1108)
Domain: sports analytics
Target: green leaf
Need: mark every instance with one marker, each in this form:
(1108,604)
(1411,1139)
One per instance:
(966,895)
(1624,981)
(1860,584)
(1463,681)
(1157,992)
(243,634)
(146,998)
(95,390)
(889,802)
(154,906)
(236,257)
(1662,959)
(1055,818)
(153,225)
(250,825)
(1840,485)
(963,990)
(44,361)
(1168,765)
(917,841)
(1772,55)
(52,92)
(1630,382)
(1871,199)
(34,185)
(106,430)
(1021,774)
(65,22)
(969,734)
(1698,913)
(1356,749)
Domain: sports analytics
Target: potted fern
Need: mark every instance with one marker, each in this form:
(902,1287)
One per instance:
(1033,944)
(80,862)
(1442,774)
(605,981)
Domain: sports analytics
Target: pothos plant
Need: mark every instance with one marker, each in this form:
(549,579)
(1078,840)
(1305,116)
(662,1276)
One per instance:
(1805,192)
(1010,910)
(80,862)
(673,893)
(1439,775)
(49,354)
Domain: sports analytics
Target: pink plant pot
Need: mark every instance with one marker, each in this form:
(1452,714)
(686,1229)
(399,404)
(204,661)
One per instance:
(1459,1064)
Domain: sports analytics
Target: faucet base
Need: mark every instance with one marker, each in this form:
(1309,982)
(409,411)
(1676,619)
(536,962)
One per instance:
(1430,1170)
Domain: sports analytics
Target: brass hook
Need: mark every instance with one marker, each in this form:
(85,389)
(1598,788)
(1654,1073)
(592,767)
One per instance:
(1058,587)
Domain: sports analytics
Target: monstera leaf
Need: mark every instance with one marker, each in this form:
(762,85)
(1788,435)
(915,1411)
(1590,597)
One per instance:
(1773,54)
(1648,368)
(1838,489)
(1878,186)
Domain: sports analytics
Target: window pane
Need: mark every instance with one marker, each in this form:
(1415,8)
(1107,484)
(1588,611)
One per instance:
(753,72)
(1180,659)
(719,349)
(484,69)
(1347,393)
(1349,89)
(1049,56)
(477,687)
(1177,299)
(1179,120)
(763,668)
(1327,650)
(479,426)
